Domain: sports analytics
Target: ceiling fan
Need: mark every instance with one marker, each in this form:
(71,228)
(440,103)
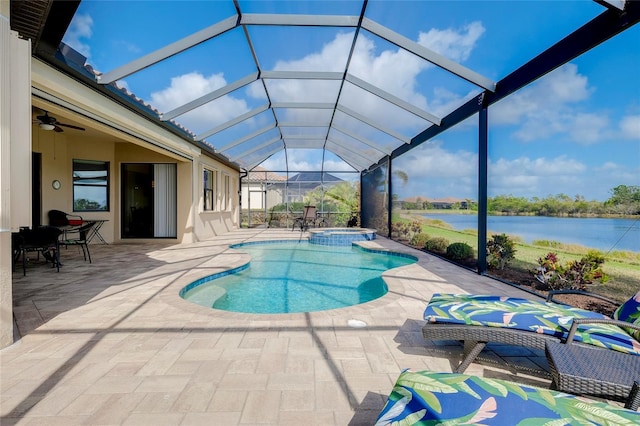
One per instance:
(46,122)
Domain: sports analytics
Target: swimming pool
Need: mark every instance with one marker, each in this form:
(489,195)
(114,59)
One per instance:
(288,277)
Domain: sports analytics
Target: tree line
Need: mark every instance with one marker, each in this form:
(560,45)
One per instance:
(624,200)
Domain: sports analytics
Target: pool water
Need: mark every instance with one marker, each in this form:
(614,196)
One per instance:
(340,236)
(288,277)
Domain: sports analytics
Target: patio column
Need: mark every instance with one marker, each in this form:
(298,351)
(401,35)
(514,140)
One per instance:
(15,157)
(482,185)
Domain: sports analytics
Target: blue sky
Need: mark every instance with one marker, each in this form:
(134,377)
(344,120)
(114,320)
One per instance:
(576,131)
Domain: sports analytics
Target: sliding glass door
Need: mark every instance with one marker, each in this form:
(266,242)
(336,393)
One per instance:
(149,200)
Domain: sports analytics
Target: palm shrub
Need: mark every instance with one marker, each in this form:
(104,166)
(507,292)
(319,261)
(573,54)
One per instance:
(459,251)
(436,245)
(500,251)
(574,274)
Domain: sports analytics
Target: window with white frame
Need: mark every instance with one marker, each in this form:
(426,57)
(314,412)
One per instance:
(209,185)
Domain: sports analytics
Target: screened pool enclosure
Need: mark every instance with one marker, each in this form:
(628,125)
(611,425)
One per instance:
(355,106)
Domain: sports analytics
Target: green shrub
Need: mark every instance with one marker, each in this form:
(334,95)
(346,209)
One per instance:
(547,243)
(459,251)
(419,240)
(574,275)
(405,230)
(500,251)
(436,245)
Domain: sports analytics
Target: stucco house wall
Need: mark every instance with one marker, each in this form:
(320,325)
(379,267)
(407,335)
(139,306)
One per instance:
(114,134)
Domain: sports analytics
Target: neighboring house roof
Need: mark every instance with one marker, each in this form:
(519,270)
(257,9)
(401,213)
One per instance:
(306,177)
(259,174)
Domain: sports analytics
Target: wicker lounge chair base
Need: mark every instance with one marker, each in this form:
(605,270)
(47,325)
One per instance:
(476,338)
(478,319)
(596,372)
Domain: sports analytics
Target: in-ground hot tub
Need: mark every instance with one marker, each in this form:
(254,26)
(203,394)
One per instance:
(340,236)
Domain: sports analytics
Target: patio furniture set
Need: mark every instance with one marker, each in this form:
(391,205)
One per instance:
(589,354)
(64,230)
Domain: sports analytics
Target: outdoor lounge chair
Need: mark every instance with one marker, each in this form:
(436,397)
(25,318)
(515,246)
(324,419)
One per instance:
(477,320)
(309,216)
(427,397)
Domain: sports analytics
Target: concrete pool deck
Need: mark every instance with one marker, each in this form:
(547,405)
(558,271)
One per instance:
(112,343)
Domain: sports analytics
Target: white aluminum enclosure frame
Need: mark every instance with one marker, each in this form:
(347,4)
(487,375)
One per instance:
(251,143)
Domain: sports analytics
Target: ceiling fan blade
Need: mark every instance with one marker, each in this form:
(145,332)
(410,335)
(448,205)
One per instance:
(70,126)
(46,119)
(58,129)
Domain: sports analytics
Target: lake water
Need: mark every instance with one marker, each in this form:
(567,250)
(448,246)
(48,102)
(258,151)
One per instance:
(604,234)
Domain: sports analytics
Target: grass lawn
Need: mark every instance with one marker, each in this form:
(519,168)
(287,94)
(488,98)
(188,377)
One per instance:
(623,268)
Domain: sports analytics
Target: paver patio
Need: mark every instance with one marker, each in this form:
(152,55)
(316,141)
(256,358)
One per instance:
(111,342)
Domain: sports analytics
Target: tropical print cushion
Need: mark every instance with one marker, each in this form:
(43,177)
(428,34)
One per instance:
(522,314)
(629,311)
(429,398)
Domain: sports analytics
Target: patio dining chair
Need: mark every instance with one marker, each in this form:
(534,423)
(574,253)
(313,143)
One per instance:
(60,218)
(41,240)
(477,320)
(79,238)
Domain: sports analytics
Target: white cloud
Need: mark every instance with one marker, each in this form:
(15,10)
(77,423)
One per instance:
(528,177)
(587,128)
(305,160)
(455,45)
(630,127)
(432,160)
(436,172)
(295,161)
(80,28)
(564,85)
(332,57)
(617,173)
(523,166)
(188,87)
(337,166)
(550,107)
(393,70)
(609,166)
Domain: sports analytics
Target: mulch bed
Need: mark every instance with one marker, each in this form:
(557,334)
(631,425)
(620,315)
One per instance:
(527,281)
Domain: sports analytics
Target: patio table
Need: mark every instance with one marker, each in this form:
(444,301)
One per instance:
(597,372)
(95,231)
